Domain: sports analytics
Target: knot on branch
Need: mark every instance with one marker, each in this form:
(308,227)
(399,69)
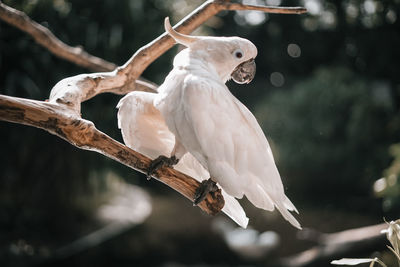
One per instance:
(69,93)
(82,133)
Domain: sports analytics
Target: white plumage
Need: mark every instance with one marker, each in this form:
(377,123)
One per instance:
(195,117)
(144,130)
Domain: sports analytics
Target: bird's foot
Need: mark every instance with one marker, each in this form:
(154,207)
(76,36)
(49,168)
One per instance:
(160,162)
(205,187)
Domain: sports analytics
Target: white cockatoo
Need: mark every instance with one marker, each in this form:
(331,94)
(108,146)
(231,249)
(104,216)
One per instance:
(195,124)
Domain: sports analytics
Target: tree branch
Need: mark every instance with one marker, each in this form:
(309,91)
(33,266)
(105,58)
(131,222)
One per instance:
(267,9)
(83,134)
(46,38)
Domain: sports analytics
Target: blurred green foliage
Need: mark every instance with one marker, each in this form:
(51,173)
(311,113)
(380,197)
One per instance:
(331,131)
(388,187)
(327,93)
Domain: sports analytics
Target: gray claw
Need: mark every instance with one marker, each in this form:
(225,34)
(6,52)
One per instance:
(205,187)
(160,162)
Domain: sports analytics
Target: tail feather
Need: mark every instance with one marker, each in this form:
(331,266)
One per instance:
(288,216)
(234,211)
(256,195)
(289,205)
(262,199)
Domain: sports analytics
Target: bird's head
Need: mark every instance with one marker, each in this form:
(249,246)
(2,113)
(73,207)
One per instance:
(232,57)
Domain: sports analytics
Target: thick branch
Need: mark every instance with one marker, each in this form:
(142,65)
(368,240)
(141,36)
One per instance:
(83,134)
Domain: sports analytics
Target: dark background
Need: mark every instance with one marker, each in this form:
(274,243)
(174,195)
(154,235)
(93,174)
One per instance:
(327,94)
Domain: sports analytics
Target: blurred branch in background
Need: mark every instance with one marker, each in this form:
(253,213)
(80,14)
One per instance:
(336,245)
(46,38)
(129,207)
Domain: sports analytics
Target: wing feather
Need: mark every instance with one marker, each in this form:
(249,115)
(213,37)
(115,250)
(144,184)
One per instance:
(142,126)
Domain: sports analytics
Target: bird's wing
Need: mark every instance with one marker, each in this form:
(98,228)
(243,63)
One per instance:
(144,130)
(142,126)
(237,151)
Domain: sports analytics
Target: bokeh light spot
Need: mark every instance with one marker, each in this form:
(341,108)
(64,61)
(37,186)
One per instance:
(294,50)
(314,7)
(274,2)
(249,17)
(369,6)
(277,79)
(391,16)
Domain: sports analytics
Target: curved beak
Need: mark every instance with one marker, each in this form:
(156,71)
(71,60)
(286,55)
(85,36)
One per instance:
(245,72)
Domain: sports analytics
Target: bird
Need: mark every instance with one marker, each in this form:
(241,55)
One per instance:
(196,125)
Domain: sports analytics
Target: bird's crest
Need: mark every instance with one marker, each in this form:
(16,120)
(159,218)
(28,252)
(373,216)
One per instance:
(180,38)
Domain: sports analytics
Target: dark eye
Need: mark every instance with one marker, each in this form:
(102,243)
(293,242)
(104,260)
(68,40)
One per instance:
(238,53)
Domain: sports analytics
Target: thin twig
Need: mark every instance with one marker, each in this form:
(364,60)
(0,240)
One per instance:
(267,9)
